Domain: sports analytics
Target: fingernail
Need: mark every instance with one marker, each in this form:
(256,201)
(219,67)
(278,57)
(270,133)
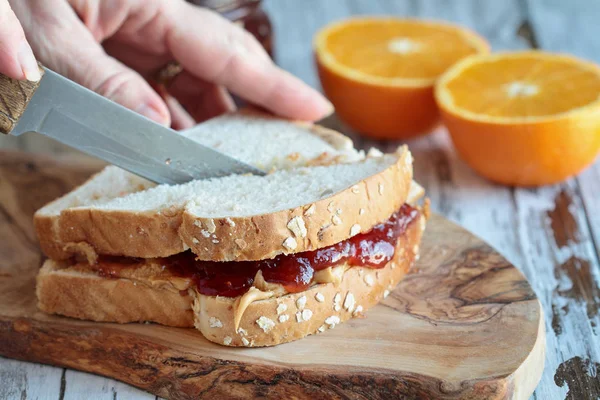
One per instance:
(28,64)
(150,112)
(330,108)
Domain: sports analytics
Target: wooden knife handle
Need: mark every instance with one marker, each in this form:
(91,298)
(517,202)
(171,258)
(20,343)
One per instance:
(14,97)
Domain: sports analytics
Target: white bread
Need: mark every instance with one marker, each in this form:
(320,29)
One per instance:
(145,292)
(230,218)
(268,142)
(78,292)
(251,136)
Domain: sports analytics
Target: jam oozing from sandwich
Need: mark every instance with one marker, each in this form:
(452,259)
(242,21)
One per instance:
(373,249)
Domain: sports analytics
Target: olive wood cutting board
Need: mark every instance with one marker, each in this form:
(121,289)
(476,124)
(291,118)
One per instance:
(464,324)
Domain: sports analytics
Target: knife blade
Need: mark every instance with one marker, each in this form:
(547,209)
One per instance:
(80,118)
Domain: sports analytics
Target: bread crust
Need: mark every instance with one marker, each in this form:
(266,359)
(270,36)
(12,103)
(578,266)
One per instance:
(66,291)
(308,227)
(167,232)
(84,294)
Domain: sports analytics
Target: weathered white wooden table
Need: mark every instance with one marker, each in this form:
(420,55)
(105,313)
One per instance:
(551,233)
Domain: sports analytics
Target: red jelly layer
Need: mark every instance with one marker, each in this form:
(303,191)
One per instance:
(373,249)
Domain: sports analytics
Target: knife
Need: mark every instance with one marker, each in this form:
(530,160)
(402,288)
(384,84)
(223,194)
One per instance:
(80,118)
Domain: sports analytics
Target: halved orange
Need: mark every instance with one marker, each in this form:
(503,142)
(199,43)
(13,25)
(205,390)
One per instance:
(379,73)
(526,118)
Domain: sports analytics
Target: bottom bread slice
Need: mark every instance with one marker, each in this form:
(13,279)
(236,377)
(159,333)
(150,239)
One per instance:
(145,291)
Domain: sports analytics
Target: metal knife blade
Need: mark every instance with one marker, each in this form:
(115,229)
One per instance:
(80,118)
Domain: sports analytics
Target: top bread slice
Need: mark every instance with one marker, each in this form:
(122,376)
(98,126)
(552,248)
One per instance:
(237,217)
(249,135)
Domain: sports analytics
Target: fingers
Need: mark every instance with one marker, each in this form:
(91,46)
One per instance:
(16,58)
(227,55)
(203,100)
(180,118)
(126,87)
(68,47)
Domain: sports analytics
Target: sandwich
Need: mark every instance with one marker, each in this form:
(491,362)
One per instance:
(246,260)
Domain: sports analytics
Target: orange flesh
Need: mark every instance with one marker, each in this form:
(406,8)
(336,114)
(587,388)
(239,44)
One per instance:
(524,87)
(398,49)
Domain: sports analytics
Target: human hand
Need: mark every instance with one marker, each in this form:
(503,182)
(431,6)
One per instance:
(16,58)
(115,47)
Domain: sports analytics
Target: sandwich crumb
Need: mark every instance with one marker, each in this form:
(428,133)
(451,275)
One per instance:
(242,332)
(336,302)
(336,220)
(361,211)
(355,189)
(321,328)
(349,302)
(205,233)
(416,248)
(374,152)
(227,340)
(355,230)
(338,211)
(210,225)
(281,308)
(310,210)
(386,293)
(266,324)
(319,297)
(197,223)
(306,314)
(290,243)
(301,302)
(330,206)
(195,241)
(241,243)
(298,317)
(245,341)
(381,188)
(369,280)
(215,322)
(321,233)
(297,226)
(332,321)
(392,265)
(230,222)
(215,241)
(283,318)
(358,310)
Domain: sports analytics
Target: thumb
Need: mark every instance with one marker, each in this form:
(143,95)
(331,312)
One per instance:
(16,58)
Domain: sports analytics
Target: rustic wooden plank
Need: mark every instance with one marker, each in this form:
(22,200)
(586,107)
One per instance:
(19,380)
(559,263)
(80,385)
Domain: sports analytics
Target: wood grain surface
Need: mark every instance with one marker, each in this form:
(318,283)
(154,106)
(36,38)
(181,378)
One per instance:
(515,221)
(14,98)
(448,331)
